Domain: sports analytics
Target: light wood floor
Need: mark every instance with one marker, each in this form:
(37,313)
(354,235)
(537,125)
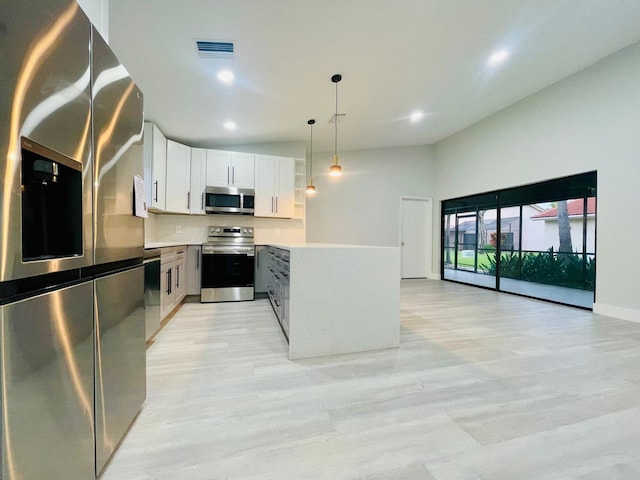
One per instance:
(484,386)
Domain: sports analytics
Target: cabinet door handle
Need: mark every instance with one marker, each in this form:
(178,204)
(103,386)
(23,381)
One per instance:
(188,200)
(177,276)
(233,175)
(156,184)
(169,282)
(228,175)
(202,200)
(276,204)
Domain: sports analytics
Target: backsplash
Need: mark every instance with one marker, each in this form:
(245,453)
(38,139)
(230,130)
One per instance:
(193,228)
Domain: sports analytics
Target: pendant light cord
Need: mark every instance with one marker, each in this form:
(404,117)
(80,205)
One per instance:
(335,120)
(311,155)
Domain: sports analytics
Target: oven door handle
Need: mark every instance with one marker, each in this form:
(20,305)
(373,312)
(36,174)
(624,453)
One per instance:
(215,251)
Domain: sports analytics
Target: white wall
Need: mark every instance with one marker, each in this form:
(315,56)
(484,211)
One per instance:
(532,230)
(363,205)
(98,13)
(551,238)
(588,121)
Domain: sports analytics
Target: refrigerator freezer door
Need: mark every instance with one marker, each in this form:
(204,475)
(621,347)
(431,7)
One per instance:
(118,156)
(45,96)
(47,374)
(120,357)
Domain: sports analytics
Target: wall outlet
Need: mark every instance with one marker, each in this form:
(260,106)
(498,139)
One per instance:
(178,228)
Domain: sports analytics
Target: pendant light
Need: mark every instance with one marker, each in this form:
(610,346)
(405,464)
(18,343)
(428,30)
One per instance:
(311,189)
(335,170)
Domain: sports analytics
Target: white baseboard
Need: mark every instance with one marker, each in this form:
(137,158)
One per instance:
(434,276)
(629,314)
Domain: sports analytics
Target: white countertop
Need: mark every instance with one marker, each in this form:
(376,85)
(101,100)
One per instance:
(169,244)
(295,246)
(285,246)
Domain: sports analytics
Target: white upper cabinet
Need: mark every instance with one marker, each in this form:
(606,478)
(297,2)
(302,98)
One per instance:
(198,180)
(242,170)
(155,164)
(274,185)
(178,177)
(264,203)
(218,168)
(230,169)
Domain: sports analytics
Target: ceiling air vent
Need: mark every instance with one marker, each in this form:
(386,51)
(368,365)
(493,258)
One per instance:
(215,49)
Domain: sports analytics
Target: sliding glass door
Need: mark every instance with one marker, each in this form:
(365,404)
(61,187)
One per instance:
(537,240)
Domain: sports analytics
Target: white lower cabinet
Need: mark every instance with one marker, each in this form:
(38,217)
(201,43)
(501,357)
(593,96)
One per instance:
(181,275)
(194,269)
(173,278)
(166,289)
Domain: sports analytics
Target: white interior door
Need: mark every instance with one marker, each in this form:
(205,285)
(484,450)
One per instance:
(415,237)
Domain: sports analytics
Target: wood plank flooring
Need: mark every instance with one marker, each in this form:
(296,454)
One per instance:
(485,386)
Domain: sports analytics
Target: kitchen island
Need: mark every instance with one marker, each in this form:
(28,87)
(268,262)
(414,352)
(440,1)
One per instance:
(333,299)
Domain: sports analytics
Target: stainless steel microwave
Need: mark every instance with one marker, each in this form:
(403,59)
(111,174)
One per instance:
(229,201)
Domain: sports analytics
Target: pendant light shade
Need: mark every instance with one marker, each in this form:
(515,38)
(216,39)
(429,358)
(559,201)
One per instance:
(335,170)
(311,189)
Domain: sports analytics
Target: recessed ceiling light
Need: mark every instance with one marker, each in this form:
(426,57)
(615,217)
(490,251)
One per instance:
(226,77)
(230,125)
(416,116)
(498,57)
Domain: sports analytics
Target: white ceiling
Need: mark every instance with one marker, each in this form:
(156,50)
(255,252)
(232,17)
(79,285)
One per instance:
(395,56)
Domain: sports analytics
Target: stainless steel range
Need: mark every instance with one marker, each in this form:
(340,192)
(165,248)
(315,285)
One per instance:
(227,265)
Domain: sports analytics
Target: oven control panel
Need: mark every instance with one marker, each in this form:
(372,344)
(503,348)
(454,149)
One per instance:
(224,231)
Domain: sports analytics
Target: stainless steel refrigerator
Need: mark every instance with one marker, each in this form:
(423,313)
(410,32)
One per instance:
(72,361)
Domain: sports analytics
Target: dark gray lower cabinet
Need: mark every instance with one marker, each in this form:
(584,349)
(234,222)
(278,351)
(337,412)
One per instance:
(261,278)
(277,284)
